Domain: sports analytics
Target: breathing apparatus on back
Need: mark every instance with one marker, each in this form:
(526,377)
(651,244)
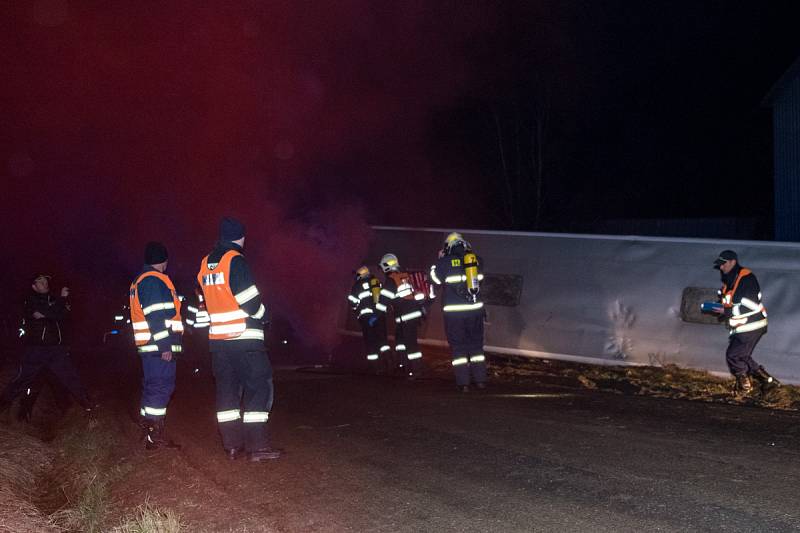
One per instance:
(375,289)
(471,272)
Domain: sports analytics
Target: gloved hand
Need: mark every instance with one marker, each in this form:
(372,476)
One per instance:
(372,320)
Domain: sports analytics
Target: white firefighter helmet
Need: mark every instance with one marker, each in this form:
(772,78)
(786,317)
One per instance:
(389,263)
(362,271)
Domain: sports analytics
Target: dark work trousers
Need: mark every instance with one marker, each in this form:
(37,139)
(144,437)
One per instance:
(376,347)
(407,347)
(35,360)
(158,384)
(740,351)
(244,398)
(464,331)
(31,394)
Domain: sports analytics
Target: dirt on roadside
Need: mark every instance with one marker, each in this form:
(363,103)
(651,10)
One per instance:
(661,382)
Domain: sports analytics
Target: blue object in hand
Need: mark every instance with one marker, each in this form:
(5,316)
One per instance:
(372,320)
(712,307)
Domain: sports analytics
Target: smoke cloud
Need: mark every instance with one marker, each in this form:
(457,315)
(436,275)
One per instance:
(129,122)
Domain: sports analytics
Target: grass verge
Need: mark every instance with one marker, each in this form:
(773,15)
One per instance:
(86,466)
(23,459)
(150,519)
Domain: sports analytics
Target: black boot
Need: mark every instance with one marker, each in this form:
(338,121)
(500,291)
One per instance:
(743,385)
(155,439)
(144,427)
(767,382)
(263,454)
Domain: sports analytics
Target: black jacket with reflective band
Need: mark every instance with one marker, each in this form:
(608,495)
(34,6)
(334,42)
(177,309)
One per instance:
(362,297)
(449,274)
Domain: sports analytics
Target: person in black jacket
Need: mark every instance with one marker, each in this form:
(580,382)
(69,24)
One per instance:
(242,369)
(746,319)
(45,345)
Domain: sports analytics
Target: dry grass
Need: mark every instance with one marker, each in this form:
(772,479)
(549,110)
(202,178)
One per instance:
(679,383)
(23,460)
(150,519)
(667,381)
(85,470)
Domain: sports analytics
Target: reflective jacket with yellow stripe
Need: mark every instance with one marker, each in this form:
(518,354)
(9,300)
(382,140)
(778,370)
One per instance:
(155,313)
(449,273)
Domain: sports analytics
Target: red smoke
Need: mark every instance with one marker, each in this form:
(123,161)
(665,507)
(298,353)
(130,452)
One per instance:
(126,122)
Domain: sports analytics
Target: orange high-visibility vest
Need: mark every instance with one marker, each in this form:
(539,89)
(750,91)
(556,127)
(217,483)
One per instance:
(752,319)
(143,337)
(228,320)
(727,295)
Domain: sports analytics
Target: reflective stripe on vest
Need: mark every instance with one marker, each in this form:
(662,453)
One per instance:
(740,322)
(228,319)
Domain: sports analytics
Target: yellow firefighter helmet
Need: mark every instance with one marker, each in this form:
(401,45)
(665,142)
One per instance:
(453,239)
(362,271)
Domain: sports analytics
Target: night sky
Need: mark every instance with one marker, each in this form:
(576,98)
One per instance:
(125,122)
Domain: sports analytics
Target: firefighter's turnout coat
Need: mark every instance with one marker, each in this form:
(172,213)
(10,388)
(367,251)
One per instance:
(370,311)
(406,301)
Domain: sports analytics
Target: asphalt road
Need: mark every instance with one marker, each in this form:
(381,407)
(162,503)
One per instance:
(365,453)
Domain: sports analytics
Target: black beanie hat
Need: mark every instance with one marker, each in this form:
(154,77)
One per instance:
(230,229)
(154,253)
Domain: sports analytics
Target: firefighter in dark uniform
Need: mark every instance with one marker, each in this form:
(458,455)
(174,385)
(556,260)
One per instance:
(458,270)
(241,367)
(157,329)
(746,319)
(407,304)
(46,347)
(365,299)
